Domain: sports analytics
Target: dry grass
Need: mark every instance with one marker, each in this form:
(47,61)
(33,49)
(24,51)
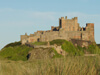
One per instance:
(79,65)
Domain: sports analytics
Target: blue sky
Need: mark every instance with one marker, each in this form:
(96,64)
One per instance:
(18,17)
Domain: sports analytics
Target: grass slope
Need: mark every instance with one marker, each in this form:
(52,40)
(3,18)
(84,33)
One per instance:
(94,49)
(98,45)
(39,43)
(13,44)
(70,65)
(15,51)
(43,53)
(58,42)
(71,49)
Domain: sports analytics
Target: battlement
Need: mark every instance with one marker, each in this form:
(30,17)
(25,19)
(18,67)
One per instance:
(69,24)
(54,28)
(62,18)
(68,29)
(90,24)
(65,18)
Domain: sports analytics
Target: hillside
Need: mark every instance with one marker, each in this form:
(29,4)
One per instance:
(46,61)
(16,51)
(98,45)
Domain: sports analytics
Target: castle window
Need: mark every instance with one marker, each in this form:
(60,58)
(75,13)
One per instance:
(60,24)
(84,29)
(81,35)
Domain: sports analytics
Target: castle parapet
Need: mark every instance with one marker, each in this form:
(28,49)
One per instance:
(69,24)
(90,27)
(68,29)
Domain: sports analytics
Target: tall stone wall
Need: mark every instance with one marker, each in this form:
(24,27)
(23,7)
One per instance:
(68,29)
(69,24)
(67,35)
(90,30)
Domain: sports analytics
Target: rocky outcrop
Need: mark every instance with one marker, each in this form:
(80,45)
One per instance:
(59,50)
(40,53)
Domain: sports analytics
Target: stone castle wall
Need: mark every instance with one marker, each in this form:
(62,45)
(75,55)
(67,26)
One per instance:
(69,24)
(81,35)
(68,29)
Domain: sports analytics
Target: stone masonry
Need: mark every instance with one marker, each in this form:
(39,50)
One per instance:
(68,29)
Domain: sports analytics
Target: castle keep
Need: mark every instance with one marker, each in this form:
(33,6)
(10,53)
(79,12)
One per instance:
(68,29)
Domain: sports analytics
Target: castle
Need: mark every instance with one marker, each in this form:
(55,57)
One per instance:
(68,29)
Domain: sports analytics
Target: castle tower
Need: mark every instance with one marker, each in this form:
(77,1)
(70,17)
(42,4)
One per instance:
(76,25)
(62,22)
(90,30)
(69,24)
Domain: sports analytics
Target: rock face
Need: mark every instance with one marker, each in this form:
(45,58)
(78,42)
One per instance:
(41,53)
(45,52)
(59,50)
(68,29)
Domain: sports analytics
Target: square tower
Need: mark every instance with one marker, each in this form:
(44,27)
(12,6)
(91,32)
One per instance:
(69,24)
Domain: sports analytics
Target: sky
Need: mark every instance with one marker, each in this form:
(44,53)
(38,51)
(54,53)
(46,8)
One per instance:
(18,17)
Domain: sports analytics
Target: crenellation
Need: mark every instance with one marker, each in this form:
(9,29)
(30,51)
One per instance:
(68,29)
(62,18)
(75,18)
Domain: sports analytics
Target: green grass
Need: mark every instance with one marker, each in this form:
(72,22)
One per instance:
(56,54)
(39,43)
(58,42)
(60,66)
(13,44)
(98,45)
(94,49)
(15,53)
(68,47)
(68,65)
(71,49)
